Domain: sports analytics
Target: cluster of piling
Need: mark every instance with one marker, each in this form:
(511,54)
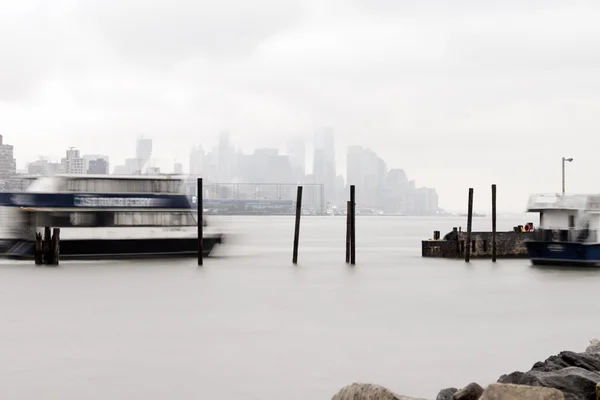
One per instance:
(199,202)
(350,227)
(470,222)
(480,244)
(47,249)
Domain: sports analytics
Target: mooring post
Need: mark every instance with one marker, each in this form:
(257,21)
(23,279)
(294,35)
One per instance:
(297,226)
(494,223)
(200,222)
(55,245)
(352,225)
(39,246)
(469,221)
(47,246)
(348,231)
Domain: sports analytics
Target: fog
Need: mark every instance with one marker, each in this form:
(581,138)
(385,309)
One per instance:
(459,94)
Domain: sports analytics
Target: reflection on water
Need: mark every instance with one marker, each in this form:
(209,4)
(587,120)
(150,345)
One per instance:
(250,324)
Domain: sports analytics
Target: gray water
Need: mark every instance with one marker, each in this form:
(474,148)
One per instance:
(250,325)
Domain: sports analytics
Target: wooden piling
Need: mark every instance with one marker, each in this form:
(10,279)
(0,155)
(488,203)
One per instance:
(55,246)
(494,223)
(199,202)
(352,225)
(469,222)
(39,249)
(297,225)
(47,255)
(348,231)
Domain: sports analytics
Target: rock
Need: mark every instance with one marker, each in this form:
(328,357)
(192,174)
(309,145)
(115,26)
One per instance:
(513,377)
(367,391)
(471,392)
(566,359)
(576,383)
(446,394)
(498,391)
(594,348)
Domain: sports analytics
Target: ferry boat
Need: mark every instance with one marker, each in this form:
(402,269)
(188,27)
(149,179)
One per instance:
(568,230)
(103,217)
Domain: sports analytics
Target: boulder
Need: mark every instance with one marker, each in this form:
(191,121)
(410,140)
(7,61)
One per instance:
(513,377)
(446,394)
(367,391)
(576,383)
(594,348)
(470,392)
(498,391)
(565,359)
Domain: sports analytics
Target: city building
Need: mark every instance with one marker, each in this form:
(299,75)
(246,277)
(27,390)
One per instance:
(296,152)
(98,166)
(143,151)
(324,162)
(94,157)
(178,168)
(43,167)
(8,164)
(226,159)
(73,163)
(197,160)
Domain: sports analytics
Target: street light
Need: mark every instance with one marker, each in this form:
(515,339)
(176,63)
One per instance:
(563,173)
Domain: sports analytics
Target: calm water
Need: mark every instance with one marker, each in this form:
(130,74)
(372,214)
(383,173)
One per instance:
(251,325)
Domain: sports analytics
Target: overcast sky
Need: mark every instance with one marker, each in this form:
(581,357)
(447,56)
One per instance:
(459,94)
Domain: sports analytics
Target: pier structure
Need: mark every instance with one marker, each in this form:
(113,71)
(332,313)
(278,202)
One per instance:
(259,198)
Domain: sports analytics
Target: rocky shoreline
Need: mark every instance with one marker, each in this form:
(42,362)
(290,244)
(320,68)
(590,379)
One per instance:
(565,376)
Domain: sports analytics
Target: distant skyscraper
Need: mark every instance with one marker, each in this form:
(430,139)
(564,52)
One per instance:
(143,150)
(225,158)
(178,168)
(73,163)
(324,162)
(98,166)
(297,153)
(8,165)
(197,161)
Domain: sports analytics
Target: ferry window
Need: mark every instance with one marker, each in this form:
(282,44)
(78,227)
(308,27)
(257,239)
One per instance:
(571,221)
(143,218)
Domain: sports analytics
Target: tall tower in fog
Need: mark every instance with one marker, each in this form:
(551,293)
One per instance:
(225,158)
(143,151)
(324,162)
(197,161)
(8,165)
(296,151)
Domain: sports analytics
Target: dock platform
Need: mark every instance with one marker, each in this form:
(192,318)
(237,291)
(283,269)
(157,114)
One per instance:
(508,245)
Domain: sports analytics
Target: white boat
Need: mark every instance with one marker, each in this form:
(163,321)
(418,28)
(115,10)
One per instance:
(568,229)
(103,216)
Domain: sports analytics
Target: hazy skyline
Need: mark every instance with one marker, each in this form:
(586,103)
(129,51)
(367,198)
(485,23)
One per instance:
(459,94)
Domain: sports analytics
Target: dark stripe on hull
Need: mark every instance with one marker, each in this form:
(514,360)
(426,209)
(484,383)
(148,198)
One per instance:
(563,253)
(103,249)
(563,263)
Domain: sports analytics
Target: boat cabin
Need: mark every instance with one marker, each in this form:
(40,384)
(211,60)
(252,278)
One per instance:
(94,201)
(566,218)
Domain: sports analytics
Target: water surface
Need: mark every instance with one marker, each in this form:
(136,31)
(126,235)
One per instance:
(249,324)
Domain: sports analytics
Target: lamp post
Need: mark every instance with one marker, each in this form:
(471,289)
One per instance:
(563,173)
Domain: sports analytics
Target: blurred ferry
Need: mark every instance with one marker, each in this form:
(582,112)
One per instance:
(568,231)
(103,217)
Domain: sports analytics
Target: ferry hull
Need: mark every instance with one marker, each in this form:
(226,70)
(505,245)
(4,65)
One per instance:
(563,253)
(107,249)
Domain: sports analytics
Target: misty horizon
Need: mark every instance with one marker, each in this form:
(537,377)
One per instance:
(457,96)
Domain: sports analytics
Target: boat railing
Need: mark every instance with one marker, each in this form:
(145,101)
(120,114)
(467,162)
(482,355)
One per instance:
(542,201)
(565,235)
